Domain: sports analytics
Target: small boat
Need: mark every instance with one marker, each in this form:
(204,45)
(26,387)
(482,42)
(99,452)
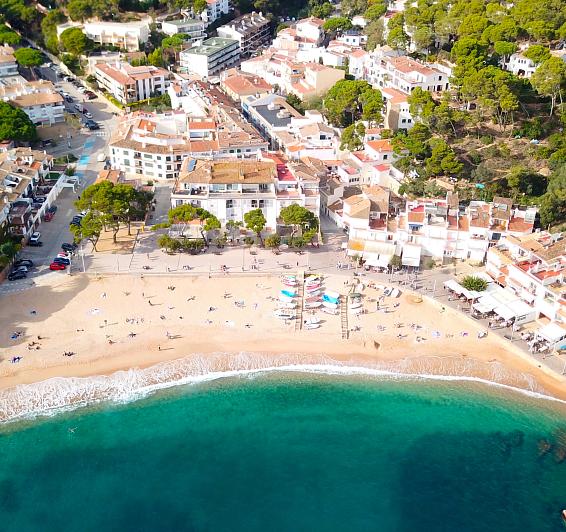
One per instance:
(312,325)
(312,319)
(289,293)
(314,293)
(330,311)
(354,304)
(314,287)
(283,314)
(287,304)
(290,283)
(359,310)
(328,304)
(564,515)
(313,304)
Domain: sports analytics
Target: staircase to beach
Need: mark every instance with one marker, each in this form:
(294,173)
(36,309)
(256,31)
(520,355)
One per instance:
(344,316)
(300,300)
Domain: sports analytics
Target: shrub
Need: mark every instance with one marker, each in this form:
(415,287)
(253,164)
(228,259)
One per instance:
(473,283)
(486,139)
(475,157)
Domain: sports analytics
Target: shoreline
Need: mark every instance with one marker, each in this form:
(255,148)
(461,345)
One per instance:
(227,344)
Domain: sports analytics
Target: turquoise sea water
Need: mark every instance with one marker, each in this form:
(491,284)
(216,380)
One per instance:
(290,452)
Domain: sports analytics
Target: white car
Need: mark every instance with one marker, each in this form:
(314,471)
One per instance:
(82,89)
(35,237)
(88,115)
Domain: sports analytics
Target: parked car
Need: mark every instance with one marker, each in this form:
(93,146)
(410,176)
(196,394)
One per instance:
(39,199)
(52,209)
(23,262)
(68,247)
(68,78)
(21,269)
(36,244)
(62,260)
(48,216)
(91,124)
(57,266)
(88,115)
(64,255)
(69,99)
(35,237)
(14,276)
(89,95)
(81,89)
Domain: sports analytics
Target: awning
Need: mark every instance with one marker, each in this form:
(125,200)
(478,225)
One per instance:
(451,284)
(411,255)
(482,308)
(379,248)
(486,302)
(384,261)
(505,312)
(552,332)
(371,259)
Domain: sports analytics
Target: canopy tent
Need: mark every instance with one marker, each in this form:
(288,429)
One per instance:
(411,255)
(504,312)
(487,302)
(552,333)
(453,285)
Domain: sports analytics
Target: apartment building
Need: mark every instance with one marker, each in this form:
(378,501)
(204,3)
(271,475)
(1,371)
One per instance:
(533,267)
(38,99)
(210,57)
(384,67)
(229,189)
(125,35)
(194,28)
(252,31)
(317,79)
(8,63)
(214,10)
(154,145)
(130,84)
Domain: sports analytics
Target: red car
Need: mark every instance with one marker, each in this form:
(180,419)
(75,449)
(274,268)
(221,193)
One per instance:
(49,216)
(57,266)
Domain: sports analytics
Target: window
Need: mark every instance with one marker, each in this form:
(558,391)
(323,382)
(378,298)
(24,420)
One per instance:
(229,204)
(385,157)
(403,120)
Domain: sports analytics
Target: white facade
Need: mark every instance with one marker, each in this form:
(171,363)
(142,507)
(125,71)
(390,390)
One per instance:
(126,35)
(192,27)
(520,65)
(8,63)
(252,31)
(210,57)
(385,68)
(130,84)
(215,9)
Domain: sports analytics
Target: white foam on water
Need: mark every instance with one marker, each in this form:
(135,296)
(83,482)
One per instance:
(66,393)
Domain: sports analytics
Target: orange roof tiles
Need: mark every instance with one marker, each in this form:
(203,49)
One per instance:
(379,145)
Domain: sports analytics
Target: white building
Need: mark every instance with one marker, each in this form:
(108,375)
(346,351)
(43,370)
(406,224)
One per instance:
(38,99)
(214,10)
(533,266)
(229,189)
(125,35)
(383,67)
(8,63)
(397,110)
(154,145)
(192,27)
(520,65)
(130,84)
(210,57)
(252,31)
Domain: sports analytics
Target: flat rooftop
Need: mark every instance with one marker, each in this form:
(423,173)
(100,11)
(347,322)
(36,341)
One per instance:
(210,46)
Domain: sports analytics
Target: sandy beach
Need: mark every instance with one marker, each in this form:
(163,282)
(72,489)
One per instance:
(114,323)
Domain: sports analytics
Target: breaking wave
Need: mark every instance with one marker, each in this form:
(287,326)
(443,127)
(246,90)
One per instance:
(65,393)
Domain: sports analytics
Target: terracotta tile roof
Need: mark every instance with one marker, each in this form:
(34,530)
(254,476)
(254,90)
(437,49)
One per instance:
(379,145)
(520,226)
(244,85)
(227,172)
